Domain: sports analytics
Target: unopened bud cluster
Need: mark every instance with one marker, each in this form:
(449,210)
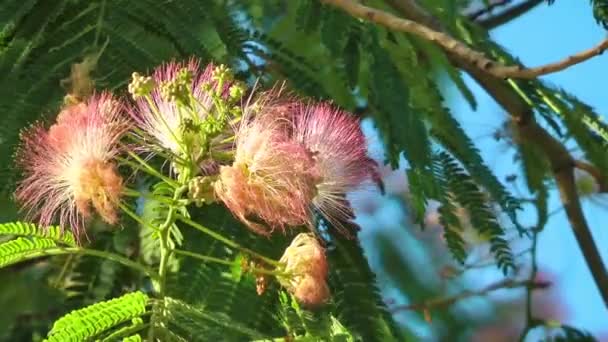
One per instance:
(306,267)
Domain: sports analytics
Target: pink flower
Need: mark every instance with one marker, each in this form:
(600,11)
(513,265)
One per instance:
(69,168)
(305,262)
(272,178)
(292,157)
(335,139)
(171,125)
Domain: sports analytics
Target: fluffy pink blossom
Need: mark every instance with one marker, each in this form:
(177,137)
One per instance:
(272,178)
(165,121)
(68,168)
(335,139)
(292,157)
(305,262)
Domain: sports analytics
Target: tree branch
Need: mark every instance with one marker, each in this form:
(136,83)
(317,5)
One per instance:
(457,48)
(508,14)
(594,172)
(529,131)
(447,301)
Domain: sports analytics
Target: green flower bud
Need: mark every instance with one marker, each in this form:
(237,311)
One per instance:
(140,85)
(236,91)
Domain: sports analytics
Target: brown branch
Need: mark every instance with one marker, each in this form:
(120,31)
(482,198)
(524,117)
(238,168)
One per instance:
(594,172)
(509,14)
(447,301)
(457,48)
(529,131)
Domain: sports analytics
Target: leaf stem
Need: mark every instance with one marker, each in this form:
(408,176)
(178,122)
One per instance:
(134,216)
(143,165)
(91,252)
(226,241)
(165,255)
(207,258)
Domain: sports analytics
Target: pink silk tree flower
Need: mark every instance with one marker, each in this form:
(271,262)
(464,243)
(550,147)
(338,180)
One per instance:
(169,123)
(335,139)
(69,168)
(271,179)
(306,265)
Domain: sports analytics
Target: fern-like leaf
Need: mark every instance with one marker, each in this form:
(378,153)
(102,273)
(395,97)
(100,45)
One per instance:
(483,219)
(358,303)
(202,325)
(22,249)
(87,323)
(30,229)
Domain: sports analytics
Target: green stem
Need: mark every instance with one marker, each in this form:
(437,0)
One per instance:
(128,331)
(134,193)
(226,241)
(165,249)
(207,258)
(134,216)
(165,253)
(146,167)
(91,252)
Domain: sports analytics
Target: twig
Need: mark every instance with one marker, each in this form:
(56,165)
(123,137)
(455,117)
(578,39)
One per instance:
(443,302)
(531,132)
(594,172)
(530,320)
(459,49)
(508,14)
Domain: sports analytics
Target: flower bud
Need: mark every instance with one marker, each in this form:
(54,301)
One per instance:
(140,86)
(306,266)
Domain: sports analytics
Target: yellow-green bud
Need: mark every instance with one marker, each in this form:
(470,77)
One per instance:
(140,85)
(236,91)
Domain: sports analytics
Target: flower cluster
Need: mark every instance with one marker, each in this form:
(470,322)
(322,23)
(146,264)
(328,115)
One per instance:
(293,158)
(183,110)
(306,266)
(274,161)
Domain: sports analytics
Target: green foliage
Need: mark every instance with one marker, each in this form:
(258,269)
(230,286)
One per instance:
(355,292)
(96,319)
(21,249)
(600,12)
(54,233)
(212,288)
(304,325)
(448,216)
(204,325)
(481,216)
(402,129)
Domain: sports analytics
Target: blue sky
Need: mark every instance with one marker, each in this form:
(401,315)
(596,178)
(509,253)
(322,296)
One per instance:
(546,34)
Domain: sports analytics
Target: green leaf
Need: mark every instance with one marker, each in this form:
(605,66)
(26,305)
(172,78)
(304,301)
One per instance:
(212,288)
(201,325)
(482,218)
(359,306)
(29,229)
(22,249)
(600,12)
(89,322)
(308,17)
(402,129)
